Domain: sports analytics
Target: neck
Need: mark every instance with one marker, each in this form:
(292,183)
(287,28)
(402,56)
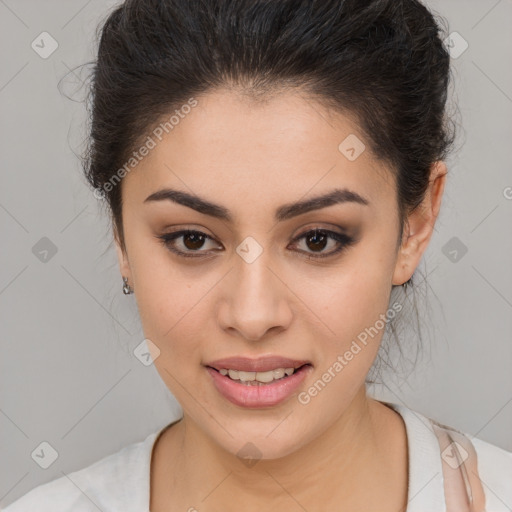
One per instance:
(357,450)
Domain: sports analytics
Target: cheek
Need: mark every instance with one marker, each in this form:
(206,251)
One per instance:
(353,306)
(170,308)
(356,312)
(171,302)
(166,291)
(172,312)
(350,298)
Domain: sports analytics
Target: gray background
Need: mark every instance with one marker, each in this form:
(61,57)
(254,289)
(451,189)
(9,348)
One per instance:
(68,373)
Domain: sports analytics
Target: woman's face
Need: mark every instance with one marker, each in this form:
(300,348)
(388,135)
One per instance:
(256,281)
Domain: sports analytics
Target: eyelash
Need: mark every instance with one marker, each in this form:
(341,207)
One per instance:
(345,241)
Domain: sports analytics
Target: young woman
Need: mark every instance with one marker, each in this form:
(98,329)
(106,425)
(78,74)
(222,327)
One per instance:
(274,169)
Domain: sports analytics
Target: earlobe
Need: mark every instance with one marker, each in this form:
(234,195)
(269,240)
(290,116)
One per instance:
(403,266)
(122,258)
(420,226)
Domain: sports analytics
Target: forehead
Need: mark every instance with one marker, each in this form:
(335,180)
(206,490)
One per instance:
(233,148)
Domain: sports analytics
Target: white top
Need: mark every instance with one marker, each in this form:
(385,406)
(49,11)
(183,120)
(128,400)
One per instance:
(120,482)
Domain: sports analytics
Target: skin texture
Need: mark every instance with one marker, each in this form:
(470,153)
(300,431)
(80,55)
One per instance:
(251,158)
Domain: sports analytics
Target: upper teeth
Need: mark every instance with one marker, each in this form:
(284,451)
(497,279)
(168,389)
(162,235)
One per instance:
(269,376)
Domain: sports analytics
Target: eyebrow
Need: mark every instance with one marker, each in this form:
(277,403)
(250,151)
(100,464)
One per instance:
(284,212)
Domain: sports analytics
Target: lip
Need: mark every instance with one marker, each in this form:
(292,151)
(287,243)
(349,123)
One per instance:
(261,364)
(256,397)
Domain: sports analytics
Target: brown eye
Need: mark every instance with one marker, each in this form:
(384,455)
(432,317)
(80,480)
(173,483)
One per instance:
(193,240)
(190,244)
(317,240)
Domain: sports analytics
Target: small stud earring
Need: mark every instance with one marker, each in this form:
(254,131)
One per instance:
(126,287)
(407,283)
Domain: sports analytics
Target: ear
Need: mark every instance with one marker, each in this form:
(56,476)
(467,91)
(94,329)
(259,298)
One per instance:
(122,258)
(419,226)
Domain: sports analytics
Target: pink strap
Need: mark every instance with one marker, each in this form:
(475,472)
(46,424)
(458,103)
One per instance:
(462,486)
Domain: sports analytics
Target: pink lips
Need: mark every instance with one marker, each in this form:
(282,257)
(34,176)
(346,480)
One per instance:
(258,396)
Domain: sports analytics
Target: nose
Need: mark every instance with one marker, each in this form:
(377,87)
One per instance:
(255,300)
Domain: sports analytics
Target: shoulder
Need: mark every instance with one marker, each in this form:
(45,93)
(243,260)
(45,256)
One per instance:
(119,481)
(495,469)
(430,456)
